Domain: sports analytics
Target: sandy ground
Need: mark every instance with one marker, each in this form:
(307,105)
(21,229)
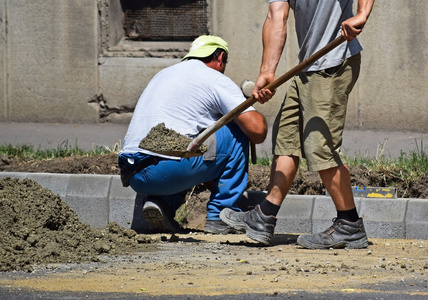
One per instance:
(203,264)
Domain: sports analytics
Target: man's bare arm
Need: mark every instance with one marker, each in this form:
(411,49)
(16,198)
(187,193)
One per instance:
(274,35)
(254,125)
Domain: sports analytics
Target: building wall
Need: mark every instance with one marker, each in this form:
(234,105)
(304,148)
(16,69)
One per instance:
(393,86)
(51,60)
(67,61)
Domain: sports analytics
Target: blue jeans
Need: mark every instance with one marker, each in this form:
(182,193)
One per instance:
(228,170)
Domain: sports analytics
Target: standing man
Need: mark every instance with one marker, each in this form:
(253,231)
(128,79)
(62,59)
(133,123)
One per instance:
(312,117)
(189,97)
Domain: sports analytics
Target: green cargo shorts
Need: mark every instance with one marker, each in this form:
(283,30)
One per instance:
(312,116)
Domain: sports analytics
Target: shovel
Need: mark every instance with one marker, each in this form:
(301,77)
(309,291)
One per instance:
(195,143)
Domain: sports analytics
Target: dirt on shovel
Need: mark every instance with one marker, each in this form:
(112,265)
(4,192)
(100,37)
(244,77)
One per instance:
(166,141)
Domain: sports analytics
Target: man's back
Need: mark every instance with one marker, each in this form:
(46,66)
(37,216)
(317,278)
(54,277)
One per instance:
(187,97)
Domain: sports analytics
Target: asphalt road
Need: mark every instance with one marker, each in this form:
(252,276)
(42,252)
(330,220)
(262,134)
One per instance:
(388,292)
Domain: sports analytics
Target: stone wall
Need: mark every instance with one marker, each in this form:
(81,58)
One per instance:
(68,61)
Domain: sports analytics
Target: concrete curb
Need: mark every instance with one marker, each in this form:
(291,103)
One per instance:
(100,199)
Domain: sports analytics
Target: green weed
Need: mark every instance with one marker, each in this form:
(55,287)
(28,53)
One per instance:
(407,166)
(61,151)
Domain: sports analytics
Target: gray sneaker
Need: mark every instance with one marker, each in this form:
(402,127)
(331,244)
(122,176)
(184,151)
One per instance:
(159,217)
(341,234)
(219,227)
(256,225)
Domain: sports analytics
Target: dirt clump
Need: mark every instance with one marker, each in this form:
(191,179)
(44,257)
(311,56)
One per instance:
(161,139)
(37,226)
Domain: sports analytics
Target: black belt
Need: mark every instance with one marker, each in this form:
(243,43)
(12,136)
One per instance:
(333,70)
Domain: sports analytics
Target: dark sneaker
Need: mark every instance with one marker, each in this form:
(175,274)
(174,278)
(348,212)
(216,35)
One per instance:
(256,225)
(159,217)
(341,234)
(219,227)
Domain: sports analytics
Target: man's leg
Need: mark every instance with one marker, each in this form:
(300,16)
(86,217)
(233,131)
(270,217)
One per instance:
(227,167)
(231,181)
(283,171)
(159,212)
(324,118)
(164,186)
(347,229)
(259,223)
(337,181)
(228,187)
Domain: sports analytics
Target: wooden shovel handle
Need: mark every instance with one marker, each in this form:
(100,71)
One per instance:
(271,86)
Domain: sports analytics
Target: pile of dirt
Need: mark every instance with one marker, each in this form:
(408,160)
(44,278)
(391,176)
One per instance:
(37,226)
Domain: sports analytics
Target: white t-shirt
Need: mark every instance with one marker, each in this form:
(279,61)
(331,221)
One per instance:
(318,23)
(188,97)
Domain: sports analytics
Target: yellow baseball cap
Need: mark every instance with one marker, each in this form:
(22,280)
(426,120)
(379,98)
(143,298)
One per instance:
(205,45)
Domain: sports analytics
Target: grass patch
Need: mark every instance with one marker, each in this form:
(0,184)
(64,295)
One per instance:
(407,166)
(62,150)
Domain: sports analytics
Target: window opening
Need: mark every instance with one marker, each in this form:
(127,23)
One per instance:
(164,20)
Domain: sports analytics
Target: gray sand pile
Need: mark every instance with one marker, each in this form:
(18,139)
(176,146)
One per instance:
(37,227)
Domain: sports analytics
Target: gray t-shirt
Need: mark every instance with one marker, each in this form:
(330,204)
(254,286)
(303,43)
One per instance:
(318,23)
(188,97)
